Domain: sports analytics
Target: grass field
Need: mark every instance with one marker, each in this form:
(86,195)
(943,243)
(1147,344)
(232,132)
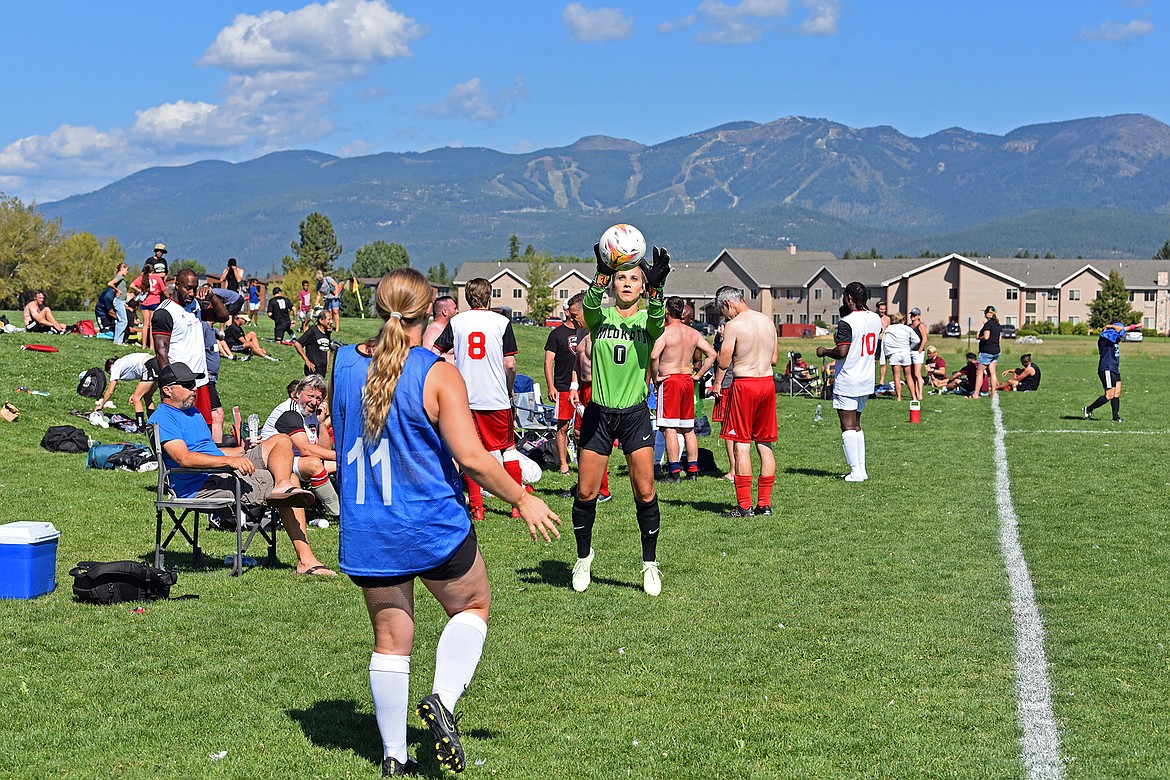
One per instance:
(862,631)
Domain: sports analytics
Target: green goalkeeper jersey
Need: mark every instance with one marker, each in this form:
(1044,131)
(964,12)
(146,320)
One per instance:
(621,349)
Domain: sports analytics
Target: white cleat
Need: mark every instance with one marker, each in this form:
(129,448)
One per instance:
(651,578)
(856,477)
(581,577)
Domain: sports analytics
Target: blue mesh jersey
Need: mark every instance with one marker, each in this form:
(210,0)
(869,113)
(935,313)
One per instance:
(1109,351)
(402,506)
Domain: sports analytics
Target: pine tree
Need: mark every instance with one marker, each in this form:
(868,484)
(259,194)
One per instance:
(1113,305)
(540,300)
(318,248)
(438,275)
(1163,253)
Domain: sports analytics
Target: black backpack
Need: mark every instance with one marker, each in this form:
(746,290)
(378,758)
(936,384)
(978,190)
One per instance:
(119,581)
(65,438)
(92,383)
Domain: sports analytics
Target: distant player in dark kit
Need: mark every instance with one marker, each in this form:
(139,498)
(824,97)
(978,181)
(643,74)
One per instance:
(560,356)
(857,344)
(313,345)
(280,311)
(402,417)
(1109,370)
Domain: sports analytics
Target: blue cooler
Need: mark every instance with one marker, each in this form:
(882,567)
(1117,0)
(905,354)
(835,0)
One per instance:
(28,559)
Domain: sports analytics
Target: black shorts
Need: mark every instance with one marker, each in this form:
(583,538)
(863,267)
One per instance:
(238,347)
(36,327)
(1109,379)
(453,568)
(213,394)
(630,427)
(151,367)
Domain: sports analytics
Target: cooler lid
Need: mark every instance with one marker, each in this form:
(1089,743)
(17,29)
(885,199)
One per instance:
(27,532)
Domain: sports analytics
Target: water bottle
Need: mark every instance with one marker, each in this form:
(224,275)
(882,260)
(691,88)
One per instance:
(253,428)
(817,416)
(319,522)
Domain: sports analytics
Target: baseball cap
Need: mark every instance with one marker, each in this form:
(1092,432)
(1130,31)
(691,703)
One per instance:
(989,308)
(916,312)
(177,374)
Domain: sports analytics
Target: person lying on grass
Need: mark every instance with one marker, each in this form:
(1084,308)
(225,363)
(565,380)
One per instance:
(266,468)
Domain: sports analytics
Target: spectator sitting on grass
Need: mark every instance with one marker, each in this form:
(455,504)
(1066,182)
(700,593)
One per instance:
(1024,379)
(247,343)
(266,468)
(963,380)
(38,318)
(935,369)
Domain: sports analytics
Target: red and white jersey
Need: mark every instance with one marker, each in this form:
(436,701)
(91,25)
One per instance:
(186,332)
(480,339)
(853,375)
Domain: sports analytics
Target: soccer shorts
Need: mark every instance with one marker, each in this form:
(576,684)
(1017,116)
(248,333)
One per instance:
(494,428)
(899,358)
(720,405)
(676,402)
(630,427)
(584,396)
(565,408)
(203,402)
(751,410)
(918,358)
(453,568)
(1109,379)
(850,403)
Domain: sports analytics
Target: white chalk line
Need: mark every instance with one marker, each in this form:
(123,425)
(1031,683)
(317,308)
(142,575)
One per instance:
(1092,433)
(1040,743)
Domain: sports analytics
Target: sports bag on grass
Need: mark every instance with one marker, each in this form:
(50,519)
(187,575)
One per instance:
(119,581)
(65,438)
(92,383)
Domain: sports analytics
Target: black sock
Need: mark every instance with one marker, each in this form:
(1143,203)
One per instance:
(1115,405)
(1099,402)
(140,418)
(649,521)
(584,513)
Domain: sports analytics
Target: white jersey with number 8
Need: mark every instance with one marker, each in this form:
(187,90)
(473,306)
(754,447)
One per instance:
(853,375)
(480,339)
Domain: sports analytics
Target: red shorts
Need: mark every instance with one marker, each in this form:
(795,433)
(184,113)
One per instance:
(676,402)
(565,408)
(720,405)
(585,395)
(203,402)
(494,428)
(750,413)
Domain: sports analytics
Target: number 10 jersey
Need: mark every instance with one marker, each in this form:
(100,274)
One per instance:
(854,374)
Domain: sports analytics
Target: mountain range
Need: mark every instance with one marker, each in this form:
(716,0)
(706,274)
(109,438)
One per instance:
(1095,187)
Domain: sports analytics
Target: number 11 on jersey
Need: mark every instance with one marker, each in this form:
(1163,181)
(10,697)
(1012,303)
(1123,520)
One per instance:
(379,459)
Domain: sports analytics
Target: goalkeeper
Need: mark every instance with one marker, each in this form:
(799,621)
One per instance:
(622,336)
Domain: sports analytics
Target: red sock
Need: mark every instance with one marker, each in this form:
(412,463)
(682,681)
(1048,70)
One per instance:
(605,483)
(692,468)
(317,480)
(474,493)
(513,469)
(743,491)
(764,491)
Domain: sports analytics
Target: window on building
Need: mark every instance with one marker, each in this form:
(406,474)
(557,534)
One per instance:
(1029,319)
(1074,295)
(1074,320)
(1013,294)
(788,318)
(804,319)
(1051,319)
(497,292)
(791,294)
(817,294)
(1030,295)
(1030,308)
(1011,320)
(1043,295)
(562,293)
(1148,322)
(1097,295)
(1150,296)
(835,319)
(776,319)
(518,293)
(1131,294)
(952,294)
(755,294)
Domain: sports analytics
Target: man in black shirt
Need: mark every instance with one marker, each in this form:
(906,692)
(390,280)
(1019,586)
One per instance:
(281,315)
(239,341)
(988,351)
(313,345)
(1109,370)
(560,356)
(1026,378)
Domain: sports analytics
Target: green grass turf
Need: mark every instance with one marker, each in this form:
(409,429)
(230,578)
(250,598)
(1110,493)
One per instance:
(862,631)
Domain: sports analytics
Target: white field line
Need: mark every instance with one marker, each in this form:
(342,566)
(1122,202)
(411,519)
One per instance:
(1040,743)
(1093,433)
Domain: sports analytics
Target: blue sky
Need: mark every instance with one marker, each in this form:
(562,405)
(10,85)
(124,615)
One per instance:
(95,91)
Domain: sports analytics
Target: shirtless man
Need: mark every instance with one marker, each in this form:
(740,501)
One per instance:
(881,350)
(749,339)
(672,366)
(442,310)
(38,318)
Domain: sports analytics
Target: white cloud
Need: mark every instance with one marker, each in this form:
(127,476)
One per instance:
(282,70)
(1117,32)
(357,148)
(748,21)
(470,101)
(604,24)
(822,17)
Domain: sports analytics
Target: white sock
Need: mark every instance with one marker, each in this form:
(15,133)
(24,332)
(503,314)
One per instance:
(457,655)
(859,443)
(328,496)
(390,686)
(847,443)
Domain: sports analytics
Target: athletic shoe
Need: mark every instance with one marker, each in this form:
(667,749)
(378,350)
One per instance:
(581,577)
(851,477)
(392,767)
(273,359)
(670,478)
(476,513)
(570,493)
(691,475)
(603,497)
(1118,419)
(1087,413)
(445,728)
(651,578)
(737,511)
(763,510)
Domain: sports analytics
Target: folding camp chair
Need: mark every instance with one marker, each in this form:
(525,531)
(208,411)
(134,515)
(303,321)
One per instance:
(535,423)
(179,509)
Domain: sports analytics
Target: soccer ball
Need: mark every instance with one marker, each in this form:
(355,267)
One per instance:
(622,247)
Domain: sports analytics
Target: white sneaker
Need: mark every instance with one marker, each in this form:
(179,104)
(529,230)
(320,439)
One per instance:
(856,477)
(651,579)
(581,577)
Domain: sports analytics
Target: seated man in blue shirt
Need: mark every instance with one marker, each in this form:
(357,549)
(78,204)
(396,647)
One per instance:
(266,468)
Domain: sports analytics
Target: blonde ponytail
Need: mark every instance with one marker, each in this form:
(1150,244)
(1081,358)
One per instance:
(403,298)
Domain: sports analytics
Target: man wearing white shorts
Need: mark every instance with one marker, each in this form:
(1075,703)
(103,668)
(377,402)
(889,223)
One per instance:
(881,350)
(855,350)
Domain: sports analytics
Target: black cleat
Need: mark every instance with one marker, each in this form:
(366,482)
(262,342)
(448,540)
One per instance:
(738,512)
(1087,413)
(670,478)
(764,510)
(691,475)
(1118,419)
(570,493)
(603,497)
(392,767)
(445,728)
